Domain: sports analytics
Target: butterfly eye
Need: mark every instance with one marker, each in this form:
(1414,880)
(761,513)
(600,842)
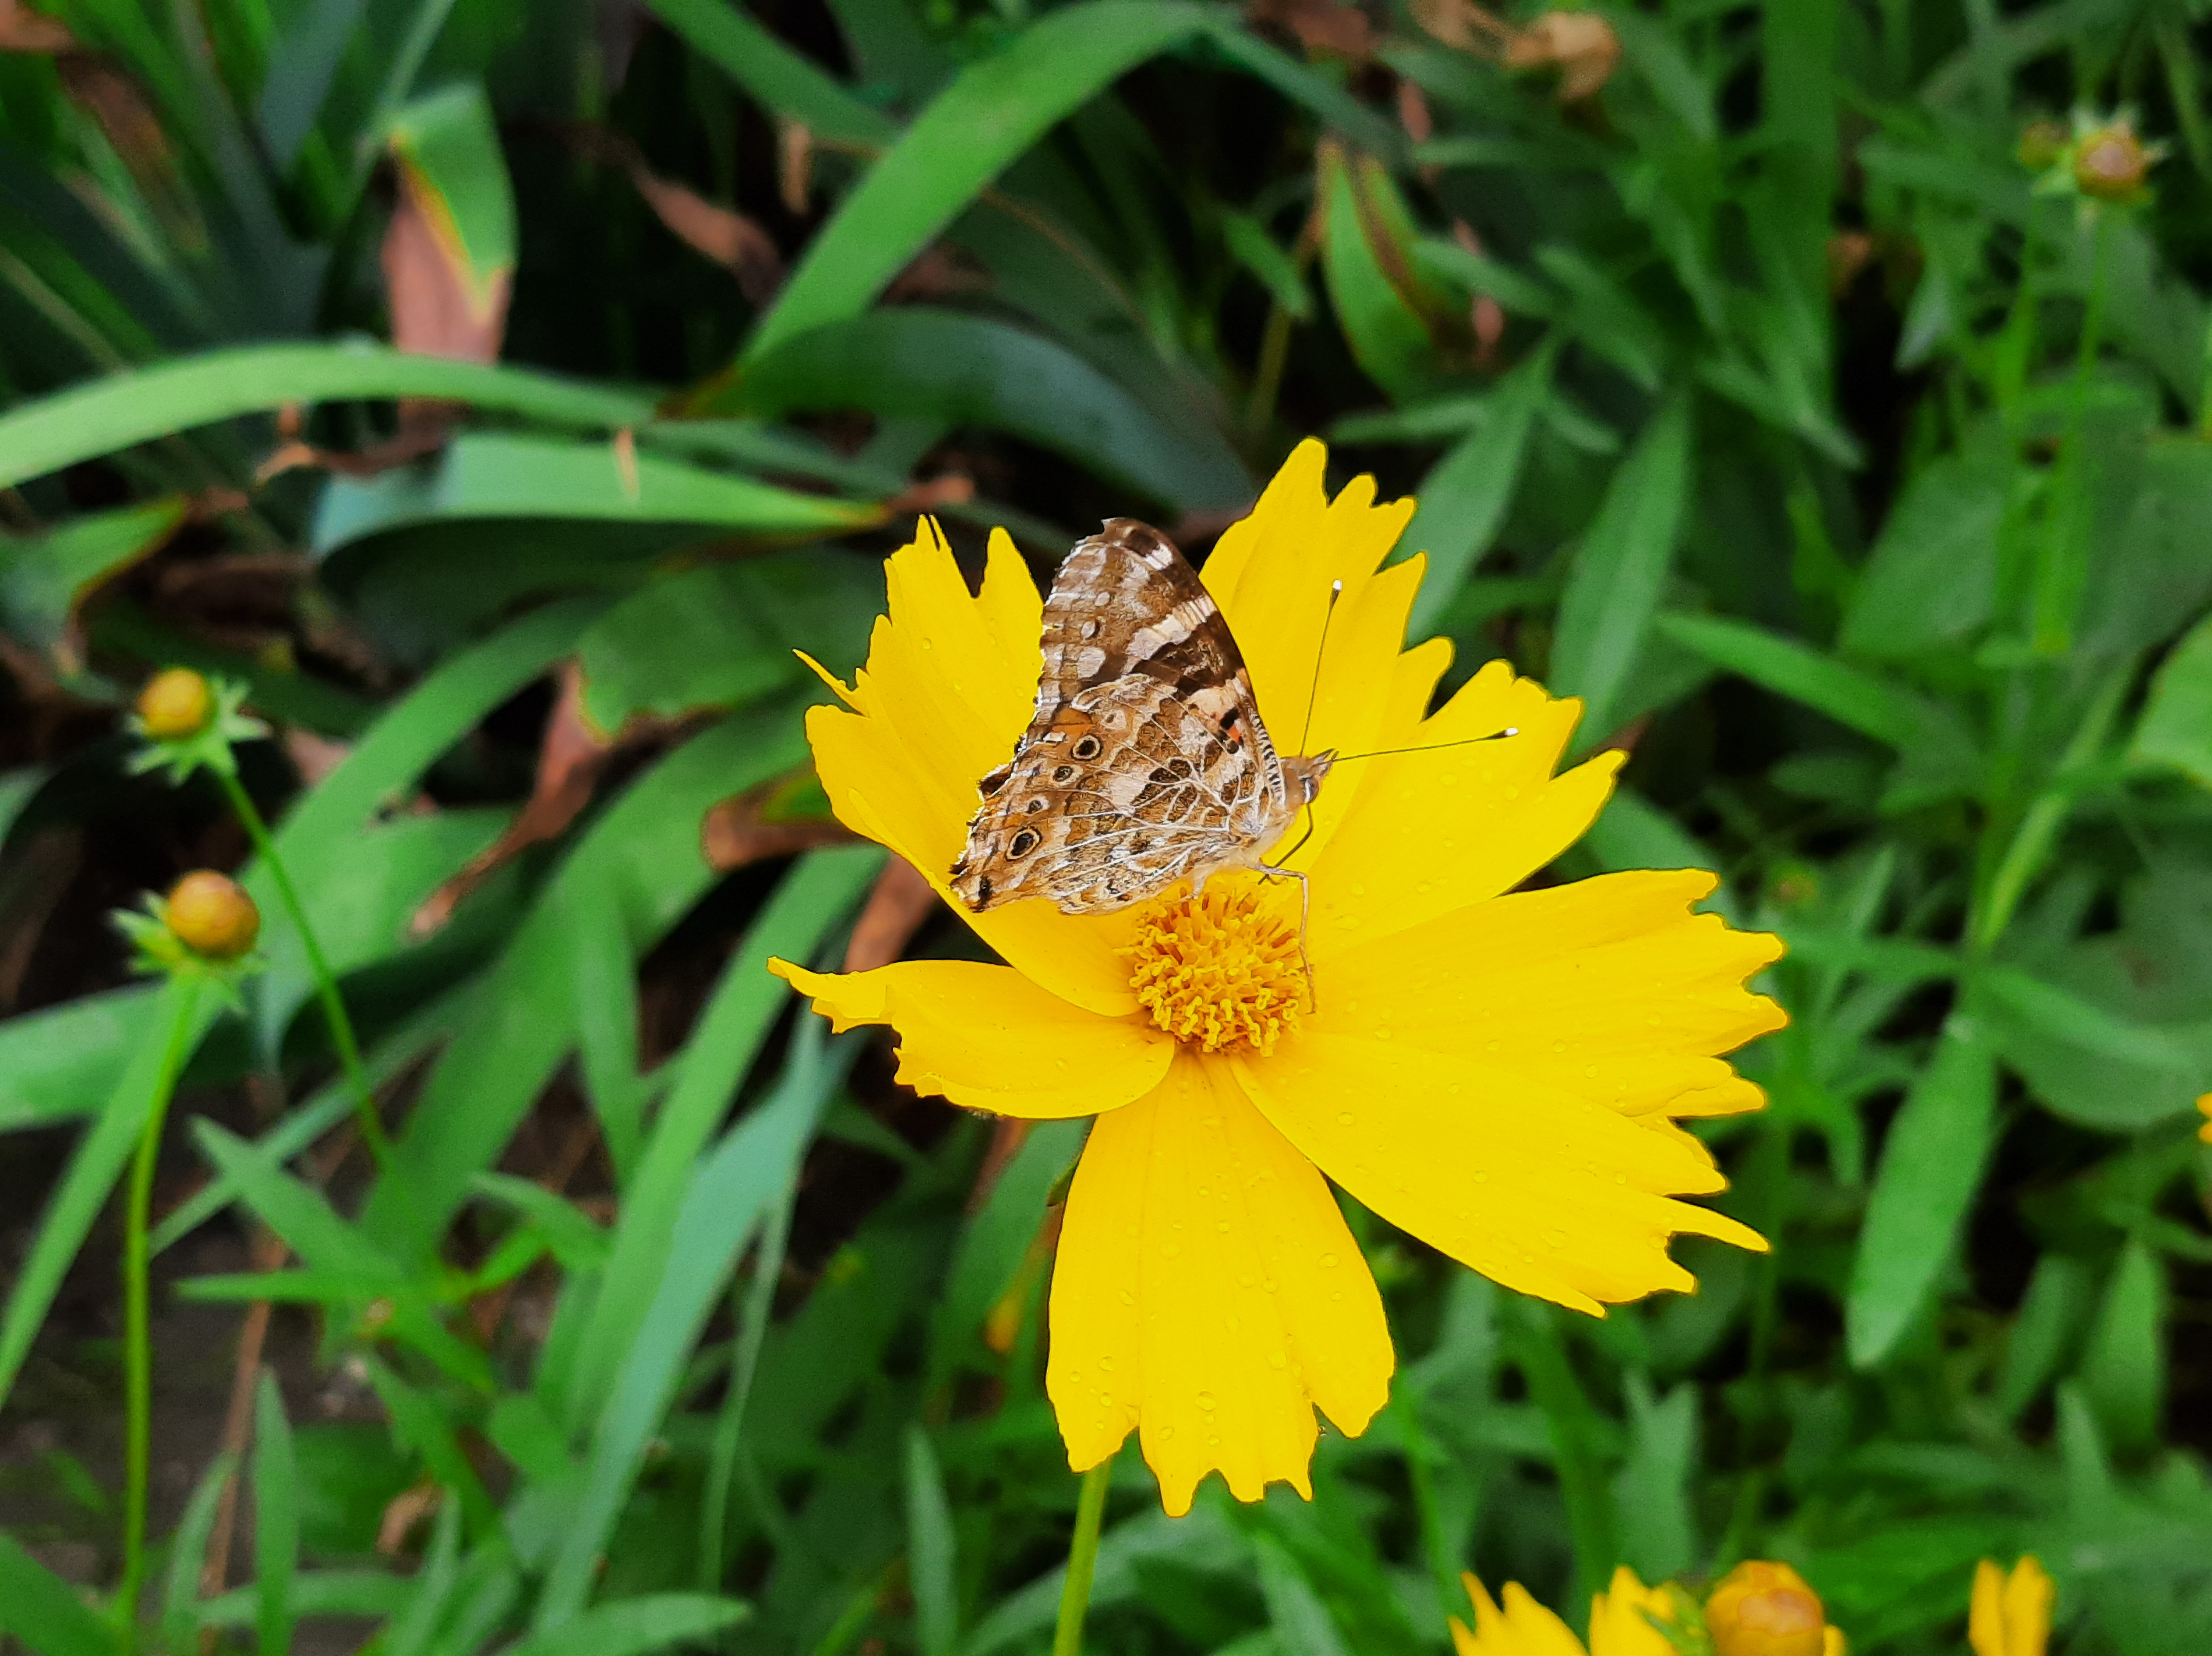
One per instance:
(1088,748)
(1021,844)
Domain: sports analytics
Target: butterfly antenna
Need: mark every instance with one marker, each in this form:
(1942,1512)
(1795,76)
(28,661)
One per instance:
(1313,690)
(1433,748)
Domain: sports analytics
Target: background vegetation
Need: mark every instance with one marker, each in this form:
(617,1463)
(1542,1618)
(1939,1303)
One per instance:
(1752,389)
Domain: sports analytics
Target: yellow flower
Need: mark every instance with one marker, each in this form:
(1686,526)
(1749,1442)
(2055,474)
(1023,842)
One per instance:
(1498,1072)
(1620,1622)
(2011,1614)
(2204,1107)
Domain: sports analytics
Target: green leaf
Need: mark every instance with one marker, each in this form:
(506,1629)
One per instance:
(2176,727)
(138,405)
(722,1201)
(971,370)
(94,1166)
(970,132)
(1931,581)
(631,1627)
(44,1611)
(1571,1426)
(1276,271)
(1301,1621)
(499,475)
(64,1061)
(2124,1366)
(180,1600)
(1620,570)
(996,1240)
(447,148)
(685,644)
(930,1548)
(45,577)
(2030,1003)
(1388,339)
(1652,1489)
(1868,704)
(1931,1166)
(275,1519)
(2049,1324)
(1465,496)
(784,82)
(813,897)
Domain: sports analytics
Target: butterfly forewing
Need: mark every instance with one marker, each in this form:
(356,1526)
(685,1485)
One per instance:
(1145,761)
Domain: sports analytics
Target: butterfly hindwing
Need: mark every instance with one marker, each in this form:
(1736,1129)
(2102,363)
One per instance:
(1145,761)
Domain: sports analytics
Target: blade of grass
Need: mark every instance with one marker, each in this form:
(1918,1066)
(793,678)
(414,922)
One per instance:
(275,1519)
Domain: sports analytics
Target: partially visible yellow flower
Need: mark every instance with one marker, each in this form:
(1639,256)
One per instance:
(1764,1608)
(2204,1107)
(1497,1071)
(1620,1622)
(176,703)
(2011,1614)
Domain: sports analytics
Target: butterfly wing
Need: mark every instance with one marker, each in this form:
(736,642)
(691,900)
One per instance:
(1146,758)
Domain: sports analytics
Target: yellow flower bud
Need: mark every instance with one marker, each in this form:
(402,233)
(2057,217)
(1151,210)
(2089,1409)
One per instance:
(211,915)
(2110,162)
(176,703)
(1765,1610)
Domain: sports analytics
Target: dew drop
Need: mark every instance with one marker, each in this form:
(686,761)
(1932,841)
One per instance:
(1344,1118)
(1276,1360)
(1328,1262)
(1205,1401)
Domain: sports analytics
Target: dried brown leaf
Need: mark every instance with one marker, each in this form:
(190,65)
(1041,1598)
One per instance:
(896,908)
(24,30)
(745,829)
(1324,27)
(724,235)
(1580,44)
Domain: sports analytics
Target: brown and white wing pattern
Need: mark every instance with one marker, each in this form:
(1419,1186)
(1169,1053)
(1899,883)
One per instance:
(1146,761)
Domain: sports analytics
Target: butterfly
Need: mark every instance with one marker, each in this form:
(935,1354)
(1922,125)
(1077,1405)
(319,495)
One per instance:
(1146,762)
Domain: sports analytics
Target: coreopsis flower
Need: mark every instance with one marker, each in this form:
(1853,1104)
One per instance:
(204,928)
(2102,161)
(187,721)
(2204,1108)
(2010,1613)
(1497,1071)
(1624,1621)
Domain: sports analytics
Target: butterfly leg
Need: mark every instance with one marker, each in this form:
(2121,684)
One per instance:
(1268,871)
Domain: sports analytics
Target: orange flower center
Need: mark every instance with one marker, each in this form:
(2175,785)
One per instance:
(1221,971)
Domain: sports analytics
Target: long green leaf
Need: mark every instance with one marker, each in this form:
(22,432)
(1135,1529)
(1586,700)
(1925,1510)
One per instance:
(811,899)
(2176,727)
(180,1599)
(142,404)
(930,1548)
(972,370)
(970,133)
(275,1519)
(1871,705)
(44,1611)
(94,1167)
(1931,1166)
(1620,570)
(721,1203)
(787,83)
(633,1626)
(1464,498)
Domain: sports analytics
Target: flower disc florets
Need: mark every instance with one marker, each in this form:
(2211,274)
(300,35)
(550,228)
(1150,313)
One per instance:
(1220,971)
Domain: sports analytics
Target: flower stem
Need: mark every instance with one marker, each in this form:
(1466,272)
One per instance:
(1082,1559)
(326,986)
(138,1352)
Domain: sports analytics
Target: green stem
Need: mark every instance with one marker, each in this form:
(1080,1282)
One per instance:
(1082,1559)
(2057,585)
(138,1352)
(327,985)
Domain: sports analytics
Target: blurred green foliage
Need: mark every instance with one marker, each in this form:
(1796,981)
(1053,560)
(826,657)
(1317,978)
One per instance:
(1771,384)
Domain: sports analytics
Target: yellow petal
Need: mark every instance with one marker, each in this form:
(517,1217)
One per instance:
(1521,1628)
(1437,828)
(2010,1615)
(949,686)
(1620,1618)
(1546,1192)
(1833,1643)
(1609,989)
(987,1038)
(1208,1294)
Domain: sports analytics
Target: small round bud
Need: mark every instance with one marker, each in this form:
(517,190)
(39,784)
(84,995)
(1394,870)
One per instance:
(2111,163)
(211,915)
(2041,144)
(1765,1610)
(176,703)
